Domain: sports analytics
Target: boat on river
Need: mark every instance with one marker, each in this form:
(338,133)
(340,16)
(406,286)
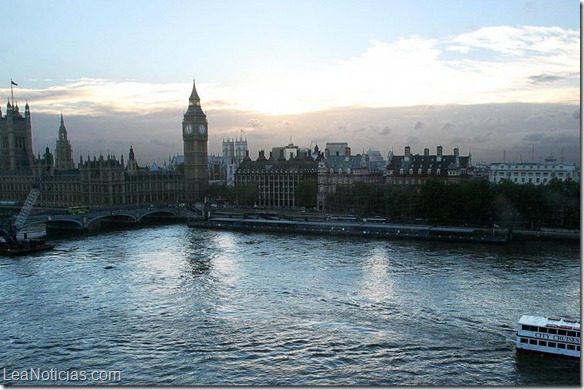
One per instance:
(346,228)
(24,247)
(549,335)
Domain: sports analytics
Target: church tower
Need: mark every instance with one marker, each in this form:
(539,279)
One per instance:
(63,151)
(195,137)
(16,140)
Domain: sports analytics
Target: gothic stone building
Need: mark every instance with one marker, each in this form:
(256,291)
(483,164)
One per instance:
(101,181)
(98,182)
(195,139)
(222,168)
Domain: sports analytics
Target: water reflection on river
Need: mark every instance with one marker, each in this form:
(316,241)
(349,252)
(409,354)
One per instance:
(179,306)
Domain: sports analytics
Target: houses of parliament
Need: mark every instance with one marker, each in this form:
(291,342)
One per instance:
(99,181)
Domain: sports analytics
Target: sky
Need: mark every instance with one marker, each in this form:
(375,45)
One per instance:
(495,78)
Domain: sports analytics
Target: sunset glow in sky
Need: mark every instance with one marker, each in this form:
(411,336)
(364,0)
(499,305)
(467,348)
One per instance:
(274,62)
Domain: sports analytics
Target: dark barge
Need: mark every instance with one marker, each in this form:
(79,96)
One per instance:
(355,229)
(24,247)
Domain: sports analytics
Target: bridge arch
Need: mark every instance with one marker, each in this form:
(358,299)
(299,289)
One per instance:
(62,223)
(112,217)
(154,212)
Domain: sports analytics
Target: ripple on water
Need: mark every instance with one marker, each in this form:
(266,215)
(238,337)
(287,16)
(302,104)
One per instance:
(183,306)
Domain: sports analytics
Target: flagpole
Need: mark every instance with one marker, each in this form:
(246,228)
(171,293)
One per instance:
(12,92)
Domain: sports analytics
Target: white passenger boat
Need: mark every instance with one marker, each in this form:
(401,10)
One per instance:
(549,335)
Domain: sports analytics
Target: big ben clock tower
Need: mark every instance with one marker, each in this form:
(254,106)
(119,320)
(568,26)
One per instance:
(195,137)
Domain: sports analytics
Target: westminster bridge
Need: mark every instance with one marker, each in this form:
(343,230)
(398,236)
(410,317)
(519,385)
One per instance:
(95,219)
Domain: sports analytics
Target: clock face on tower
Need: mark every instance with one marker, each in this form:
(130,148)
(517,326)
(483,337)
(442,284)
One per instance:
(189,129)
(202,129)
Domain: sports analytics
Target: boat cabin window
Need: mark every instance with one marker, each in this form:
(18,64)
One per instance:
(550,344)
(551,330)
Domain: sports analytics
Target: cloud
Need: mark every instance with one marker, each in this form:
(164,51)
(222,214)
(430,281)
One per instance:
(491,121)
(255,123)
(481,138)
(95,97)
(165,143)
(412,140)
(495,64)
(290,124)
(544,78)
(457,140)
(515,41)
(448,126)
(386,130)
(535,137)
(419,125)
(562,139)
(514,128)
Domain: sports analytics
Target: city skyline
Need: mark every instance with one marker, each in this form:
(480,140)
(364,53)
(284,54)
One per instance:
(485,76)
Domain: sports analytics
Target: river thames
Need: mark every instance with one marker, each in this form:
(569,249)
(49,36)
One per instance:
(170,305)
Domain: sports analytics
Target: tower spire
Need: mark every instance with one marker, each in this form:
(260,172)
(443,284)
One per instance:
(62,129)
(194,98)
